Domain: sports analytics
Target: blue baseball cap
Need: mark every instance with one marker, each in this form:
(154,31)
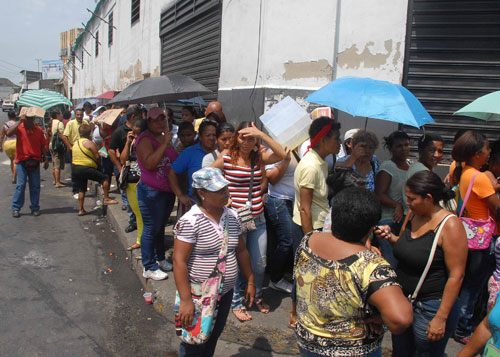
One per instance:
(210,179)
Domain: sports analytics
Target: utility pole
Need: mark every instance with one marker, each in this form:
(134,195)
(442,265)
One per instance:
(38,62)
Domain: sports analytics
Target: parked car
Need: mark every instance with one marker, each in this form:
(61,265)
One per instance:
(7,105)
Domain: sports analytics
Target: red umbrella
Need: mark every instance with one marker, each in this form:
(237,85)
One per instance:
(108,95)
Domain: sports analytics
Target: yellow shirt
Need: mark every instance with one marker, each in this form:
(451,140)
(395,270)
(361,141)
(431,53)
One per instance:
(311,172)
(83,156)
(71,130)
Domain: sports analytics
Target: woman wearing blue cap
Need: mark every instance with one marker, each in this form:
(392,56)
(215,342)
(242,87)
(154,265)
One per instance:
(208,249)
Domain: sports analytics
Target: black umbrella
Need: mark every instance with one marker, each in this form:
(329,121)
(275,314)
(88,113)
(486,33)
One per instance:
(159,89)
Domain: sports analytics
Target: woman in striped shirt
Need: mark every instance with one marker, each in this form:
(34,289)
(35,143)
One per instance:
(198,239)
(237,163)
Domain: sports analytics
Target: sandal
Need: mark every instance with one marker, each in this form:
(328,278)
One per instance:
(82,213)
(241,314)
(134,246)
(109,201)
(262,306)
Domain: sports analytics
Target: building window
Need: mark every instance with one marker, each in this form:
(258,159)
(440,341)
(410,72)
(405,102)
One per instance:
(135,12)
(110,29)
(96,43)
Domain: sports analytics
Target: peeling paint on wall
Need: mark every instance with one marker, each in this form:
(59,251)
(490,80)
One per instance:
(132,73)
(244,80)
(317,69)
(353,58)
(397,55)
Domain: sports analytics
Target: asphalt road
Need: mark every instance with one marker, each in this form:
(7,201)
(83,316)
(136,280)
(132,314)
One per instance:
(66,286)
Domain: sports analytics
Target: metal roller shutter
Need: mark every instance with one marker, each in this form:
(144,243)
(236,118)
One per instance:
(452,57)
(190,42)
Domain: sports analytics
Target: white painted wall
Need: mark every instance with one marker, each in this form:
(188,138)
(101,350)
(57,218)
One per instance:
(372,39)
(297,42)
(135,50)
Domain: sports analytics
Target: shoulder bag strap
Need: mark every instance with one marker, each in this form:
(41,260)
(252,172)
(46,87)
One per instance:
(214,155)
(84,153)
(469,189)
(296,155)
(250,191)
(431,258)
(405,222)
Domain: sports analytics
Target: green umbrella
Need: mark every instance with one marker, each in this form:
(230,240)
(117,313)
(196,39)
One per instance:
(486,108)
(42,98)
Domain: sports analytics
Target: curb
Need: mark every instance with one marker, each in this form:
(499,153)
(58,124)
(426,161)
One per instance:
(253,334)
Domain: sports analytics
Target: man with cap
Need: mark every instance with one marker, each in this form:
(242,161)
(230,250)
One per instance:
(30,151)
(346,149)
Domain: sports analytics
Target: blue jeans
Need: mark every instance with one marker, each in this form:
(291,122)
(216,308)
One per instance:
(477,273)
(155,207)
(415,337)
(385,246)
(303,352)
(256,242)
(280,213)
(33,179)
(131,216)
(208,348)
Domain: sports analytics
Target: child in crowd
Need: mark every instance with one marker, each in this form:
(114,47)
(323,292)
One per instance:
(186,138)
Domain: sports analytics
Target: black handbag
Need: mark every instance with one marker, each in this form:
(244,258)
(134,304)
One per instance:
(130,173)
(30,164)
(58,144)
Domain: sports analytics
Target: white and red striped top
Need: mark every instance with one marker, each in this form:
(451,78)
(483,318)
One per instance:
(239,185)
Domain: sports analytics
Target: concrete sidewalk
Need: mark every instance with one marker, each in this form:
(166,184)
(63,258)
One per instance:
(264,335)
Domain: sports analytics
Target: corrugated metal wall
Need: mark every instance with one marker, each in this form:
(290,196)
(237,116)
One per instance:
(452,57)
(190,39)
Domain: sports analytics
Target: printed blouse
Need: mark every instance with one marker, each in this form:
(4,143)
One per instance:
(332,301)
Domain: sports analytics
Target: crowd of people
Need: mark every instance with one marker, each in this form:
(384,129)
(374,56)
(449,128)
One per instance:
(370,245)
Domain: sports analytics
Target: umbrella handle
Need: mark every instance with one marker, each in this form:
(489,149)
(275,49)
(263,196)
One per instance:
(366,122)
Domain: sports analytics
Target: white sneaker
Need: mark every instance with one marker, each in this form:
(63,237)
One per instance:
(165,266)
(75,196)
(282,285)
(157,274)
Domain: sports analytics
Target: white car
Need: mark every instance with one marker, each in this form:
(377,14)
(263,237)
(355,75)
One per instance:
(7,105)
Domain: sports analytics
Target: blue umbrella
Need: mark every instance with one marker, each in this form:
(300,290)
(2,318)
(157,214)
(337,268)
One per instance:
(370,98)
(90,100)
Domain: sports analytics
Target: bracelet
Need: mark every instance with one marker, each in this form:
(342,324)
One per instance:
(251,284)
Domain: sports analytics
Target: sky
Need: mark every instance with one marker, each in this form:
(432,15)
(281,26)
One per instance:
(30,29)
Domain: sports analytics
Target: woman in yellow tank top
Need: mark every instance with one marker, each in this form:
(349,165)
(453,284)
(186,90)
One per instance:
(84,167)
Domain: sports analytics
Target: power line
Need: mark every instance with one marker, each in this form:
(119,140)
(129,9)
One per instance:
(1,60)
(2,67)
